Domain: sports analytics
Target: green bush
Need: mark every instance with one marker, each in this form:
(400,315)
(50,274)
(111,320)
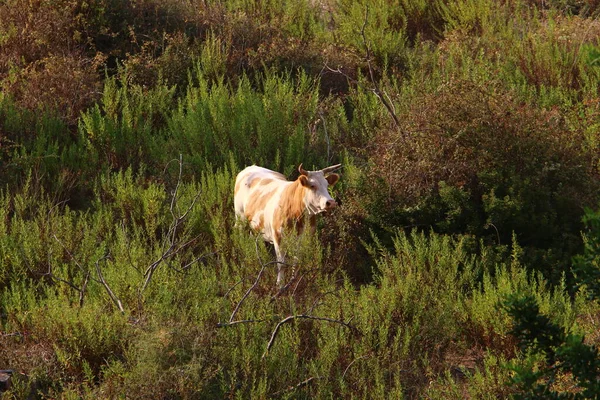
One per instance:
(476,161)
(468,134)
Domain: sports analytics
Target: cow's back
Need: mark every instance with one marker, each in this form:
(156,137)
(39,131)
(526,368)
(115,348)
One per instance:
(256,196)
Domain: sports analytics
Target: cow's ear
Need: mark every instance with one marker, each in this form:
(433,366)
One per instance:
(332,179)
(303,180)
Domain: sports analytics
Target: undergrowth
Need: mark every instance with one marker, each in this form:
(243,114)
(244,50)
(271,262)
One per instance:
(468,134)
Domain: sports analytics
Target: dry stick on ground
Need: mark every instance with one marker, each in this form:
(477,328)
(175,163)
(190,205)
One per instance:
(108,290)
(303,316)
(170,245)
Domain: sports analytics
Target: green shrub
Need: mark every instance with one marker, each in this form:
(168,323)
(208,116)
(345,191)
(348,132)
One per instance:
(474,159)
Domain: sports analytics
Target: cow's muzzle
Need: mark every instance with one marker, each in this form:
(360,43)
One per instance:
(330,205)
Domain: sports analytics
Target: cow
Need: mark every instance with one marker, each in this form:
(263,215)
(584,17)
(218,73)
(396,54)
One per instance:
(272,204)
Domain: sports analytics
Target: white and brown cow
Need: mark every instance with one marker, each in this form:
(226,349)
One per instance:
(272,204)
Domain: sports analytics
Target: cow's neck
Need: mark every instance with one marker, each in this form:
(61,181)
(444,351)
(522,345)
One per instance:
(293,206)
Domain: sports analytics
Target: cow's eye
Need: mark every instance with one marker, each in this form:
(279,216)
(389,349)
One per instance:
(312,186)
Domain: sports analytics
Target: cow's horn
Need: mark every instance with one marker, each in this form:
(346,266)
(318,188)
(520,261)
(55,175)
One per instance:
(301,170)
(331,169)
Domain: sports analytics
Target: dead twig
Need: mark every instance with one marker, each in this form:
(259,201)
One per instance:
(296,387)
(353,361)
(187,266)
(83,287)
(239,304)
(56,278)
(69,253)
(383,97)
(376,89)
(114,298)
(233,287)
(242,321)
(251,288)
(170,245)
(303,316)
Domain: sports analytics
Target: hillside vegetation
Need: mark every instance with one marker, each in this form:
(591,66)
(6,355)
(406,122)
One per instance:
(469,133)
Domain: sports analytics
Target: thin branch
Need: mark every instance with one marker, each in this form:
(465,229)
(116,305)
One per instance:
(114,298)
(61,280)
(303,316)
(353,361)
(318,299)
(170,247)
(55,278)
(326,135)
(17,334)
(83,287)
(231,288)
(128,247)
(242,321)
(296,387)
(251,288)
(375,89)
(239,304)
(496,229)
(194,261)
(297,284)
(69,253)
(174,197)
(248,291)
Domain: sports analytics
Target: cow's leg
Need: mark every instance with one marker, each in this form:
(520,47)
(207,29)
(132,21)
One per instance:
(280,264)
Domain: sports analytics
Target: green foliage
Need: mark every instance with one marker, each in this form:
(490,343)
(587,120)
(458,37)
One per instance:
(475,161)
(267,127)
(560,353)
(586,266)
(383,28)
(470,148)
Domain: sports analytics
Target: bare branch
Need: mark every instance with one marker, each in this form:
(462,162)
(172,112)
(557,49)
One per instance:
(319,297)
(353,361)
(248,291)
(295,387)
(114,298)
(61,280)
(170,247)
(303,316)
(52,276)
(243,321)
(375,89)
(69,253)
(194,261)
(239,304)
(231,288)
(83,287)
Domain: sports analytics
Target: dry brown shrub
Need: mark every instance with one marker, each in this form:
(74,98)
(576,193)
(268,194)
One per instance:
(42,58)
(464,129)
(31,30)
(551,55)
(168,61)
(65,84)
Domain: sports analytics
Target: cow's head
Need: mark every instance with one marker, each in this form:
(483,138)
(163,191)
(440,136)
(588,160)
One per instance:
(317,198)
